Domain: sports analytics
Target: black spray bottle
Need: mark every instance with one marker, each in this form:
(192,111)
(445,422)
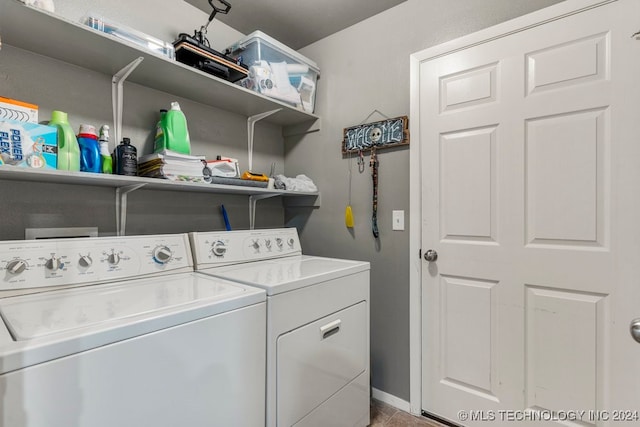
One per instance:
(125,159)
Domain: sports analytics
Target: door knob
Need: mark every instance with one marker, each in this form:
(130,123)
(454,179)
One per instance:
(635,329)
(432,255)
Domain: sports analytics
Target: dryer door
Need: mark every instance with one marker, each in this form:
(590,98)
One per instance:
(315,361)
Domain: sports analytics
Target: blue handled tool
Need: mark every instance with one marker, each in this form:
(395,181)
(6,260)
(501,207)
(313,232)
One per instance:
(226,218)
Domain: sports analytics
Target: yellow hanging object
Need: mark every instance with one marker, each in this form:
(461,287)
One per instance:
(348,217)
(348,214)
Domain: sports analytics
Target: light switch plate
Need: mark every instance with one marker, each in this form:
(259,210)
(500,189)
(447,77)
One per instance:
(398,220)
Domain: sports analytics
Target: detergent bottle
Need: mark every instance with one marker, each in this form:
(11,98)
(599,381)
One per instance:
(176,134)
(89,149)
(159,141)
(68,148)
(125,159)
(105,157)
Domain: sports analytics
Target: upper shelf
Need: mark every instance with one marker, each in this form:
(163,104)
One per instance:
(54,36)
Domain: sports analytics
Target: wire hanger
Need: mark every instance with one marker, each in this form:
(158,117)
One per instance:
(371,114)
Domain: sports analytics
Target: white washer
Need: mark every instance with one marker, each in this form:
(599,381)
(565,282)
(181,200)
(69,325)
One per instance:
(121,332)
(317,323)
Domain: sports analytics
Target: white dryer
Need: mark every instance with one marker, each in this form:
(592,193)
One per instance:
(103,332)
(317,323)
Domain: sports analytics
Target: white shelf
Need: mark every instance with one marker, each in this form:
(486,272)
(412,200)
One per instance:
(118,181)
(54,36)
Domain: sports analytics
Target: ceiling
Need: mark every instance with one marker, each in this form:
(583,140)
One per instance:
(296,23)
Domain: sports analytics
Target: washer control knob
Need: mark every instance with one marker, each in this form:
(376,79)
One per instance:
(16,266)
(113,258)
(53,264)
(290,242)
(162,254)
(267,243)
(219,248)
(85,261)
(256,245)
(279,242)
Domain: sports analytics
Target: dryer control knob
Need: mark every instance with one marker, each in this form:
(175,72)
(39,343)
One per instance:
(219,248)
(279,242)
(291,242)
(113,258)
(267,243)
(16,266)
(162,254)
(53,264)
(85,261)
(256,245)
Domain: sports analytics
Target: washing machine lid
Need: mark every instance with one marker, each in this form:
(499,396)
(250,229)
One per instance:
(171,300)
(289,273)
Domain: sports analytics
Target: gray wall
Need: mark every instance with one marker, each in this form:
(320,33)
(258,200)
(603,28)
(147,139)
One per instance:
(363,68)
(366,68)
(86,96)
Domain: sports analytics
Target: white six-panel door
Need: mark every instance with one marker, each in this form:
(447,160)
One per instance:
(530,152)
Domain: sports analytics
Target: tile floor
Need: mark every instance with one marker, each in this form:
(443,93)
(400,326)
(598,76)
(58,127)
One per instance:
(383,415)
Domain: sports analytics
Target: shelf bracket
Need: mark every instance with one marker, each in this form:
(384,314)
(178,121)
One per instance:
(252,207)
(251,121)
(302,201)
(121,206)
(117,96)
(301,129)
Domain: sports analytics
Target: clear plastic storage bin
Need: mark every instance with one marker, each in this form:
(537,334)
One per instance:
(134,36)
(277,71)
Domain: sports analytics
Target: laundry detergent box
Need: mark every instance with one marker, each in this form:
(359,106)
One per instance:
(28,145)
(277,71)
(13,109)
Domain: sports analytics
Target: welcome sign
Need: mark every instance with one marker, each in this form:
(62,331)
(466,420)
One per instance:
(383,134)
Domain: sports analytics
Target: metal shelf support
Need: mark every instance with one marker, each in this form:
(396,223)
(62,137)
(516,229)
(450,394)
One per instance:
(252,207)
(121,206)
(117,96)
(251,121)
(117,103)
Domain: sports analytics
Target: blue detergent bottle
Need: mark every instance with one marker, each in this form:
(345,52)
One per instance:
(89,149)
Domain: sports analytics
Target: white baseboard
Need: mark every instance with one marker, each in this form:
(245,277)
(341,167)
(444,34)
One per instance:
(390,399)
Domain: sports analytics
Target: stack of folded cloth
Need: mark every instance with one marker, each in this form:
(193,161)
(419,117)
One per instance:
(238,181)
(299,183)
(174,166)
